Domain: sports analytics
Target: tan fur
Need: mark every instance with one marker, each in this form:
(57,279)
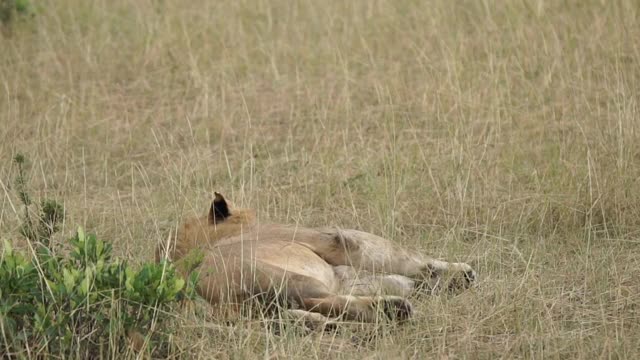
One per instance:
(336,273)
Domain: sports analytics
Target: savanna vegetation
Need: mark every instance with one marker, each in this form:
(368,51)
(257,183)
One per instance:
(500,133)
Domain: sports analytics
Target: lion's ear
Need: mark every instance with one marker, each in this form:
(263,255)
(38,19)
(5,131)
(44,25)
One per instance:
(219,209)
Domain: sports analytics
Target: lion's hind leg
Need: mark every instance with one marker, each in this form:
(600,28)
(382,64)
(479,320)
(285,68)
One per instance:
(363,283)
(372,253)
(360,308)
(308,319)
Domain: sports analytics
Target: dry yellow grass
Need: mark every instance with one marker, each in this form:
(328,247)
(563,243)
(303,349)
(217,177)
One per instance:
(504,134)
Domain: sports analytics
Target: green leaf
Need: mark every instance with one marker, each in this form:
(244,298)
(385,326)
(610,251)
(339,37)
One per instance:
(84,286)
(69,279)
(130,277)
(81,237)
(178,285)
(8,249)
(99,248)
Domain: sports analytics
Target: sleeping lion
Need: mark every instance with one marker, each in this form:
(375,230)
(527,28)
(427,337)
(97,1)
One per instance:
(316,274)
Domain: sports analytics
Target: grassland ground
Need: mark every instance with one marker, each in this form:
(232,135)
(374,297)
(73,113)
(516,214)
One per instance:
(503,134)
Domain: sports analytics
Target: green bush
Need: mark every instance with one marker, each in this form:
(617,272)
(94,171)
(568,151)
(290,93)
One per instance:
(10,8)
(84,303)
